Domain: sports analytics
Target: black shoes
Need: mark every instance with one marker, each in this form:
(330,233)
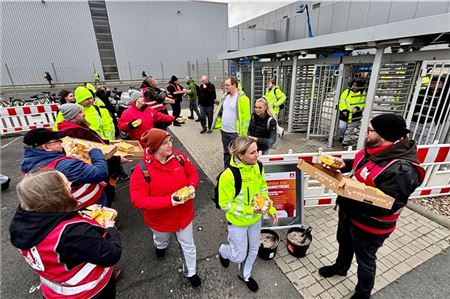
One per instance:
(190,117)
(195,281)
(209,132)
(122,177)
(252,285)
(329,271)
(197,120)
(358,296)
(203,131)
(160,253)
(225,262)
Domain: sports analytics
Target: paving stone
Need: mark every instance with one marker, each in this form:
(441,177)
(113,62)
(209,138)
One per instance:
(283,266)
(391,275)
(434,249)
(295,265)
(343,290)
(325,284)
(316,289)
(380,282)
(302,272)
(402,268)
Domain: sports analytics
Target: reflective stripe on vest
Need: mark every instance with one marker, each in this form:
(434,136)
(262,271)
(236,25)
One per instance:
(83,281)
(65,288)
(87,194)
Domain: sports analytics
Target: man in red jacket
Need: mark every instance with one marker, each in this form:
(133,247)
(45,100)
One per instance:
(139,117)
(388,162)
(153,184)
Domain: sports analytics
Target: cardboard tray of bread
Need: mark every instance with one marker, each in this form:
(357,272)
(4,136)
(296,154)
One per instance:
(128,147)
(79,148)
(99,213)
(180,91)
(346,186)
(184,194)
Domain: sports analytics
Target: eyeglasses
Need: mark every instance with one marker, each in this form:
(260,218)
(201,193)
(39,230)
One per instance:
(54,141)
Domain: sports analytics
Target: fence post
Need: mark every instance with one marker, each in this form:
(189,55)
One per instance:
(162,71)
(292,94)
(9,74)
(196,65)
(189,68)
(54,72)
(223,71)
(207,67)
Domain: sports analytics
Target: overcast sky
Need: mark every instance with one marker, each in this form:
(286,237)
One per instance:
(241,11)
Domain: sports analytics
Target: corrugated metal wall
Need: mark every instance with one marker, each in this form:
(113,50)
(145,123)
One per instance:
(146,33)
(340,15)
(36,34)
(58,37)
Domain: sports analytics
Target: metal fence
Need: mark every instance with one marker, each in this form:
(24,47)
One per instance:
(217,71)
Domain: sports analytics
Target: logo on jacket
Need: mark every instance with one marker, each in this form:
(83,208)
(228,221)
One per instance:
(364,173)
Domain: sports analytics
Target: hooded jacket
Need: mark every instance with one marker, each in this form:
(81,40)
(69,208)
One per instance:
(154,198)
(76,171)
(80,242)
(243,111)
(398,180)
(239,210)
(148,116)
(193,88)
(207,95)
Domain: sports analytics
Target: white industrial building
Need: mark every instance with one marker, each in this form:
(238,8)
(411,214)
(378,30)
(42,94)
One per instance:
(119,39)
(313,48)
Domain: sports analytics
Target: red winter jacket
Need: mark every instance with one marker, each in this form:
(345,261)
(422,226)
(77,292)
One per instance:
(154,197)
(148,116)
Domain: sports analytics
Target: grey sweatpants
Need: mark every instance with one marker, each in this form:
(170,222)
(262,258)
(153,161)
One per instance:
(346,130)
(185,239)
(242,247)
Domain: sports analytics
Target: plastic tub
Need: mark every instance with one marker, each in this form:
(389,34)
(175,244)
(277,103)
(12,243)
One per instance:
(268,253)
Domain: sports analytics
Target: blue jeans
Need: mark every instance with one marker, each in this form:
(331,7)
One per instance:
(364,245)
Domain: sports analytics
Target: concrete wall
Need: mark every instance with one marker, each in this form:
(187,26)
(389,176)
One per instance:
(339,15)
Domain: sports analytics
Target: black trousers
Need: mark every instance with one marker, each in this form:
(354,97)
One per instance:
(227,138)
(109,291)
(160,125)
(206,113)
(364,245)
(176,109)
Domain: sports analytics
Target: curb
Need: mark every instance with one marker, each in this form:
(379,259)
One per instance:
(444,221)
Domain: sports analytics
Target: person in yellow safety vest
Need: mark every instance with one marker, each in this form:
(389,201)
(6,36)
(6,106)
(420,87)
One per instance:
(275,97)
(97,118)
(96,77)
(239,86)
(232,116)
(351,106)
(108,122)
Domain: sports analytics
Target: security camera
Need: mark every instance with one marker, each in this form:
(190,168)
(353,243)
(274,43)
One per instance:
(395,49)
(337,72)
(304,53)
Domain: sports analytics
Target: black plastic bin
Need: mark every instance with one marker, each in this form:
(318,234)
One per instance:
(295,249)
(268,253)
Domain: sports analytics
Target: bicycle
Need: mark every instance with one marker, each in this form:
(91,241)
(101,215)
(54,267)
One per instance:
(11,102)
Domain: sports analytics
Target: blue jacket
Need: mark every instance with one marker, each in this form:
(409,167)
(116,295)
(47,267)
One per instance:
(75,170)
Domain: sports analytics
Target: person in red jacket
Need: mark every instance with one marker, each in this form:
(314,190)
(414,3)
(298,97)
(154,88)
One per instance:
(153,185)
(139,117)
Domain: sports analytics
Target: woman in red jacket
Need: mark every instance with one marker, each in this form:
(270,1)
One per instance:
(153,185)
(139,117)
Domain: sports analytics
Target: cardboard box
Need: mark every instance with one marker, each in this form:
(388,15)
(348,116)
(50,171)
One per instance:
(138,151)
(346,186)
(73,149)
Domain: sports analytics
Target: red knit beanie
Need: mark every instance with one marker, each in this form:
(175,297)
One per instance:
(153,139)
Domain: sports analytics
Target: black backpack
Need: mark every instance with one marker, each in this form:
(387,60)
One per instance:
(144,169)
(237,183)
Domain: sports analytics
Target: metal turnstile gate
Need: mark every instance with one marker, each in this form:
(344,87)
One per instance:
(303,88)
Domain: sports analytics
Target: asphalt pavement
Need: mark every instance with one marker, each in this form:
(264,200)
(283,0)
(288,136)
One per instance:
(144,275)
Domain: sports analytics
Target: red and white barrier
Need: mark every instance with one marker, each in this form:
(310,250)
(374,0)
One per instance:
(25,118)
(434,158)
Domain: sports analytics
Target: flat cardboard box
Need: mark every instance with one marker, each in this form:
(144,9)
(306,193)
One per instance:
(346,186)
(107,149)
(137,153)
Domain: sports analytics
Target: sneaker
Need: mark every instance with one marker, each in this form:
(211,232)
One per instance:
(203,131)
(252,285)
(359,296)
(195,281)
(197,120)
(209,131)
(160,253)
(225,262)
(329,271)
(190,117)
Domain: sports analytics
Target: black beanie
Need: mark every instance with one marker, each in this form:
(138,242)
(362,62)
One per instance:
(173,79)
(390,126)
